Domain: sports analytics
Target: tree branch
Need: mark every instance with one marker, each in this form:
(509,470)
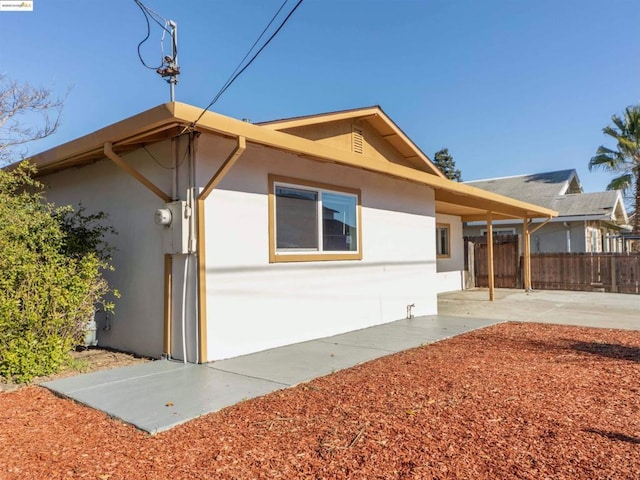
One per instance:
(27,113)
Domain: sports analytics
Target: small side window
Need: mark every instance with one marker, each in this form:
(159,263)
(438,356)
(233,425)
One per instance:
(443,240)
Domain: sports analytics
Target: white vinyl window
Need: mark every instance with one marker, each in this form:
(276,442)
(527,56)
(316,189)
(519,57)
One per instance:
(313,222)
(443,244)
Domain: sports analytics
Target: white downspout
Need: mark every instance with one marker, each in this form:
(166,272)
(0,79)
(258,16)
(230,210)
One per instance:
(192,226)
(184,308)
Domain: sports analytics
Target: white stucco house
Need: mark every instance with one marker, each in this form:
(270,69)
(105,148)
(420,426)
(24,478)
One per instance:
(236,237)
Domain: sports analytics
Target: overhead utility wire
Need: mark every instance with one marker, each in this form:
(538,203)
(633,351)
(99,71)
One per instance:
(148,13)
(237,72)
(253,46)
(155,16)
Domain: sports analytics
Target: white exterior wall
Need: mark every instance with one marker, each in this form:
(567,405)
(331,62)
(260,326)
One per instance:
(137,323)
(253,305)
(450,270)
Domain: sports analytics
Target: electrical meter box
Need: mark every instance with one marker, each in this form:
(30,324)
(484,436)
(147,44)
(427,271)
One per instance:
(174,218)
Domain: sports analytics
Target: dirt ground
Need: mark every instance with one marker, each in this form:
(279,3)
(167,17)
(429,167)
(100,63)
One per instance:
(512,401)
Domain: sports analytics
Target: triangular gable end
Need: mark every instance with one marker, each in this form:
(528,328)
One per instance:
(367,131)
(572,185)
(619,214)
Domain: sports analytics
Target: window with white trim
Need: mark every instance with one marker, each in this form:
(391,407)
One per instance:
(312,221)
(443,244)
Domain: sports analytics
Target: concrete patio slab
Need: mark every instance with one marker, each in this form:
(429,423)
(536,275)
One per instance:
(588,309)
(115,375)
(409,333)
(165,395)
(159,395)
(301,362)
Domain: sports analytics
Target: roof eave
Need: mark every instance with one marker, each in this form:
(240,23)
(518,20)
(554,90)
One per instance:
(164,119)
(150,125)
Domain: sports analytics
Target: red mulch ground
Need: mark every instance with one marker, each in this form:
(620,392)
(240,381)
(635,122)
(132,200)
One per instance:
(511,401)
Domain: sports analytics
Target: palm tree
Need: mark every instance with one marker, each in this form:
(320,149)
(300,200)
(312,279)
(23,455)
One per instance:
(625,159)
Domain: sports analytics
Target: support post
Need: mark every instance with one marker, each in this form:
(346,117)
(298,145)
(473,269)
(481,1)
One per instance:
(529,232)
(239,149)
(490,256)
(527,255)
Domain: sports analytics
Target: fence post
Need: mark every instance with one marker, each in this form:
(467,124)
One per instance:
(471,265)
(614,274)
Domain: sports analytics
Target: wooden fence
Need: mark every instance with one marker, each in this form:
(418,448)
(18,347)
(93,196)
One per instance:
(505,260)
(604,272)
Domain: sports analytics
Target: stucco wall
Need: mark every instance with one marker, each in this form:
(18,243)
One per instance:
(138,258)
(449,270)
(254,305)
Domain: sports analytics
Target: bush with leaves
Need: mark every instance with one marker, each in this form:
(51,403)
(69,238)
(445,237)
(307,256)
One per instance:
(50,279)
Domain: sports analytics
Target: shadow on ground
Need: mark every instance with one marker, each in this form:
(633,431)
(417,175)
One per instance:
(609,350)
(619,437)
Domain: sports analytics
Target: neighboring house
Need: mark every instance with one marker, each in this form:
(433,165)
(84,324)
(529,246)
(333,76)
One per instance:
(586,222)
(235,237)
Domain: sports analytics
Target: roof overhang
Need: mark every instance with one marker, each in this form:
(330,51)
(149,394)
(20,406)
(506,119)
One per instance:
(170,119)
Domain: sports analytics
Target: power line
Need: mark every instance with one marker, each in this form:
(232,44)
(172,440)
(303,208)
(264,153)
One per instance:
(238,71)
(255,43)
(148,13)
(155,16)
(163,165)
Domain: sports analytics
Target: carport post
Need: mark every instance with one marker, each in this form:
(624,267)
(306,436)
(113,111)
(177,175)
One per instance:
(527,254)
(527,247)
(490,256)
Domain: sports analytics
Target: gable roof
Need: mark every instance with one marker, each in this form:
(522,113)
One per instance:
(170,119)
(606,205)
(378,119)
(529,187)
(550,190)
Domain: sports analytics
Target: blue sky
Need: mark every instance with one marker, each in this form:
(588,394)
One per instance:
(510,87)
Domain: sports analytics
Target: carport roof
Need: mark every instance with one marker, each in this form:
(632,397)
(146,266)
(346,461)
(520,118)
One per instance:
(171,119)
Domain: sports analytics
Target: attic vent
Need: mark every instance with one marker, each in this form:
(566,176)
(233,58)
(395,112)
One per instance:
(357,141)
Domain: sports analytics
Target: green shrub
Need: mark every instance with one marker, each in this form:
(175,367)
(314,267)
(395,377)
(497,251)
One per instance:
(50,281)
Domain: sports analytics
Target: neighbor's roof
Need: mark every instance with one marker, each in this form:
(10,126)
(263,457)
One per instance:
(529,188)
(548,190)
(170,119)
(607,205)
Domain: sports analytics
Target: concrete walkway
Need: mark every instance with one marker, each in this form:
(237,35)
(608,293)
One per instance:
(159,395)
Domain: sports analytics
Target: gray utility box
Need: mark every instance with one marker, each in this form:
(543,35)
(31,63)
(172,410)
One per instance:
(174,218)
